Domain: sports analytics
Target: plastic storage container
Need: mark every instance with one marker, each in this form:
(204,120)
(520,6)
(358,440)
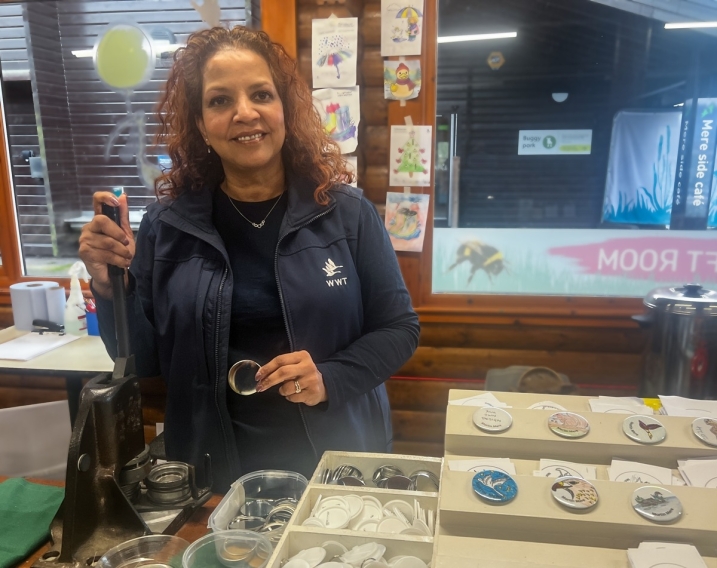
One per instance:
(233,549)
(266,485)
(158,551)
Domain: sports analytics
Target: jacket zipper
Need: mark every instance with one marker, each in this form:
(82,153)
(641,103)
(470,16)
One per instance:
(216,361)
(283,308)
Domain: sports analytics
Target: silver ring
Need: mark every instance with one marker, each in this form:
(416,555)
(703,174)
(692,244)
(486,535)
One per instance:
(297,387)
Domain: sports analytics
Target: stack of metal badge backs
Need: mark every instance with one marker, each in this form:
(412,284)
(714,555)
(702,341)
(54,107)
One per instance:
(575,493)
(387,476)
(656,504)
(568,425)
(644,429)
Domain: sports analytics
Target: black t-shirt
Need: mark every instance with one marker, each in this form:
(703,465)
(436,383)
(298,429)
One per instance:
(269,430)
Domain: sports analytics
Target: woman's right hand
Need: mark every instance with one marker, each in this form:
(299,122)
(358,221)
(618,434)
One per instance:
(103,242)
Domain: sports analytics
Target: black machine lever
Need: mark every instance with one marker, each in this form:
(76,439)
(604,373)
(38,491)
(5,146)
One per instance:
(101,508)
(124,363)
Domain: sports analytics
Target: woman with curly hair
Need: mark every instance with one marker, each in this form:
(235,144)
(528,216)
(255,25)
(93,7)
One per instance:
(255,250)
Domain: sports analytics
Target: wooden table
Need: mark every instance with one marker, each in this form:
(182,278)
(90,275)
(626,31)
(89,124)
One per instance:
(78,360)
(192,530)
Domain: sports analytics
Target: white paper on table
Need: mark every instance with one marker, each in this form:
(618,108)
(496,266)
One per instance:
(485,399)
(699,472)
(546,405)
(401,27)
(621,400)
(559,468)
(619,405)
(334,47)
(609,408)
(481,464)
(649,555)
(31,345)
(410,155)
(340,112)
(680,406)
(635,472)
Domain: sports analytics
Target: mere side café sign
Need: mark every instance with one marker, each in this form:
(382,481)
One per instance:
(696,160)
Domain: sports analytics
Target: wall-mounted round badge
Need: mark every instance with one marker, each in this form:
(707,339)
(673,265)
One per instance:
(568,425)
(495,486)
(656,504)
(490,419)
(706,430)
(644,429)
(575,493)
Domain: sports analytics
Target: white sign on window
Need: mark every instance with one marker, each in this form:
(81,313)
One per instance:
(554,142)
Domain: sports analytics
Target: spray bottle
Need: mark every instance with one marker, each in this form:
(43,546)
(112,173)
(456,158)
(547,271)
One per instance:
(75,317)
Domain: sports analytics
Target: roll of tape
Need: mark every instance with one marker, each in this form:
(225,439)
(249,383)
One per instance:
(29,303)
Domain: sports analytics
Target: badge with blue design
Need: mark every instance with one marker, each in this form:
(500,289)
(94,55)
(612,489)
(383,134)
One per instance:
(494,486)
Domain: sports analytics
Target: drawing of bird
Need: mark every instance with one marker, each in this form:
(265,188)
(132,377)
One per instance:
(649,427)
(656,499)
(713,425)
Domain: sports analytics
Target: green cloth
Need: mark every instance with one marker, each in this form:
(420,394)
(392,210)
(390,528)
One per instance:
(26,510)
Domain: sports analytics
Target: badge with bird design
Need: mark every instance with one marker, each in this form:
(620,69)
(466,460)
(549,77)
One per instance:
(575,493)
(706,430)
(644,429)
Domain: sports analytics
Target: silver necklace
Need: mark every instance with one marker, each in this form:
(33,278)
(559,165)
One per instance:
(253,224)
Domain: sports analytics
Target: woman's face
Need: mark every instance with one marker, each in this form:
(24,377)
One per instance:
(242,114)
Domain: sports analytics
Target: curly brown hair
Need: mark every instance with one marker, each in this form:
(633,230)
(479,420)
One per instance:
(308,150)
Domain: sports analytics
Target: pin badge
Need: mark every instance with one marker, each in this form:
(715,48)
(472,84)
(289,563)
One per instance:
(644,429)
(656,504)
(706,430)
(494,486)
(575,493)
(568,425)
(490,419)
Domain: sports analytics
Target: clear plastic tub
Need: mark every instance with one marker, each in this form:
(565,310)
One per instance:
(233,549)
(270,485)
(155,551)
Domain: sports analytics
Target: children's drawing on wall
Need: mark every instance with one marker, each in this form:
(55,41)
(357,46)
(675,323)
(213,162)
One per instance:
(124,60)
(410,155)
(334,44)
(401,79)
(401,27)
(340,115)
(406,215)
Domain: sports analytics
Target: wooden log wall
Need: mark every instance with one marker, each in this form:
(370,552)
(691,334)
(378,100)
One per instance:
(600,360)
(372,151)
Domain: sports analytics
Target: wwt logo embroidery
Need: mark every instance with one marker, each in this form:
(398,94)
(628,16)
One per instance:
(331,269)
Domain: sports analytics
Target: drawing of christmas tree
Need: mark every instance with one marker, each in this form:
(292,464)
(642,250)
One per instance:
(411,160)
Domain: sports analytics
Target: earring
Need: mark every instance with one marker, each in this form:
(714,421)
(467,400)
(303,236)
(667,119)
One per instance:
(209,149)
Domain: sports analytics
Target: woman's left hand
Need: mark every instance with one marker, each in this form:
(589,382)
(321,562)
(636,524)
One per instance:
(290,370)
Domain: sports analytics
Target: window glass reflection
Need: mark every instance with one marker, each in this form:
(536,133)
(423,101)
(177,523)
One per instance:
(80,83)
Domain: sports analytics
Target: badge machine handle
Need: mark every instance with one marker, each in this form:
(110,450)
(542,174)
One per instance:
(124,363)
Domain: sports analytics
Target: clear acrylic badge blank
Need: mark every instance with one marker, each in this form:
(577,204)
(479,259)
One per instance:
(242,377)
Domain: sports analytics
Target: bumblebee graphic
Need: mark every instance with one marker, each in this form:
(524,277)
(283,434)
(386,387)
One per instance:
(481,257)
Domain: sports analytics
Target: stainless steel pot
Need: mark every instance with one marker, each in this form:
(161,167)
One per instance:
(681,354)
